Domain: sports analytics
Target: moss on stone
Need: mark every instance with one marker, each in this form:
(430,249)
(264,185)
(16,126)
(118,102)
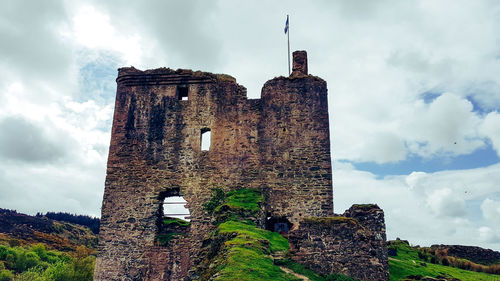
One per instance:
(243,253)
(247,200)
(175,222)
(237,249)
(163,239)
(225,78)
(364,206)
(236,205)
(330,220)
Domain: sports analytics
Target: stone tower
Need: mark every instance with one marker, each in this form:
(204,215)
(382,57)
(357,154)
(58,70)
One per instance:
(278,144)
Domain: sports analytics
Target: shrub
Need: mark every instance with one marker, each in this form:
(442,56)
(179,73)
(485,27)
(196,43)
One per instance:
(59,272)
(6,275)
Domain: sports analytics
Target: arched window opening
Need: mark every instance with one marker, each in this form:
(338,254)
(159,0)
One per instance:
(173,217)
(206,139)
(174,207)
(278,224)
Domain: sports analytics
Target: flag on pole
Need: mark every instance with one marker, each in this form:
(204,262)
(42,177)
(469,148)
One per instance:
(286,24)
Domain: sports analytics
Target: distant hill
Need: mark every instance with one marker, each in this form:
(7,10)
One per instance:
(441,262)
(90,222)
(474,254)
(17,228)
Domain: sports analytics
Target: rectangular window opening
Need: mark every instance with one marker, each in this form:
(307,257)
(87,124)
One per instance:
(182,93)
(205,139)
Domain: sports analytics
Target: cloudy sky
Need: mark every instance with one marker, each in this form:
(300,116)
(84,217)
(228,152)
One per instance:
(414,96)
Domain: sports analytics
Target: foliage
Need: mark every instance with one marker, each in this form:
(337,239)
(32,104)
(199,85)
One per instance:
(6,275)
(218,197)
(90,222)
(36,263)
(407,262)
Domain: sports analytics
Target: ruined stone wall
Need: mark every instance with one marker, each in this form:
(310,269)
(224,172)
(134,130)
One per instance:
(279,144)
(352,244)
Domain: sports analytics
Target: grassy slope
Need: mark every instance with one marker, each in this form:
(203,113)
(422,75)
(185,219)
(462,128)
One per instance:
(241,251)
(407,263)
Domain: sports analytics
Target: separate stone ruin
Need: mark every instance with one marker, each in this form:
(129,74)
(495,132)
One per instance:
(352,244)
(278,144)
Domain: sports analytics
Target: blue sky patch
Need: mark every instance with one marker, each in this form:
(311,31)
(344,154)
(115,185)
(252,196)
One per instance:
(483,157)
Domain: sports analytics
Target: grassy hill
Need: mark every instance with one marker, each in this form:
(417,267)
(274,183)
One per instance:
(40,249)
(412,263)
(19,229)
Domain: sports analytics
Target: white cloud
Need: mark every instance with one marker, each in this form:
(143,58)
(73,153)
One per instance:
(491,211)
(447,125)
(444,202)
(488,235)
(427,208)
(491,129)
(92,29)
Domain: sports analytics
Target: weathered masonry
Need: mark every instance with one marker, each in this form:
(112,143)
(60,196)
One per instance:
(162,122)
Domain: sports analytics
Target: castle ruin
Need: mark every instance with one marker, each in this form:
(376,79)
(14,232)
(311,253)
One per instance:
(278,144)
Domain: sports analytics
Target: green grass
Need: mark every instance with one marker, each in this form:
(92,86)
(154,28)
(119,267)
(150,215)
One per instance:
(313,276)
(407,263)
(243,199)
(238,249)
(163,239)
(176,222)
(243,263)
(244,253)
(248,234)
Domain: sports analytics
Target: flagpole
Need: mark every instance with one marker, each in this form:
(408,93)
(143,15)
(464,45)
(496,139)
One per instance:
(288,33)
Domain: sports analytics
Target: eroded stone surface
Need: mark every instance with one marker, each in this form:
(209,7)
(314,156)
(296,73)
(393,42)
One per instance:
(352,244)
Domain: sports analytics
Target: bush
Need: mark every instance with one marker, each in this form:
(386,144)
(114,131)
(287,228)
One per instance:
(33,274)
(6,275)
(59,272)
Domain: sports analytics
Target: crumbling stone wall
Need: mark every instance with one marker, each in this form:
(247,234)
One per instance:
(278,144)
(352,244)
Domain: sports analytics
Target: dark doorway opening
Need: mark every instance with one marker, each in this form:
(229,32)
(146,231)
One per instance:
(278,224)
